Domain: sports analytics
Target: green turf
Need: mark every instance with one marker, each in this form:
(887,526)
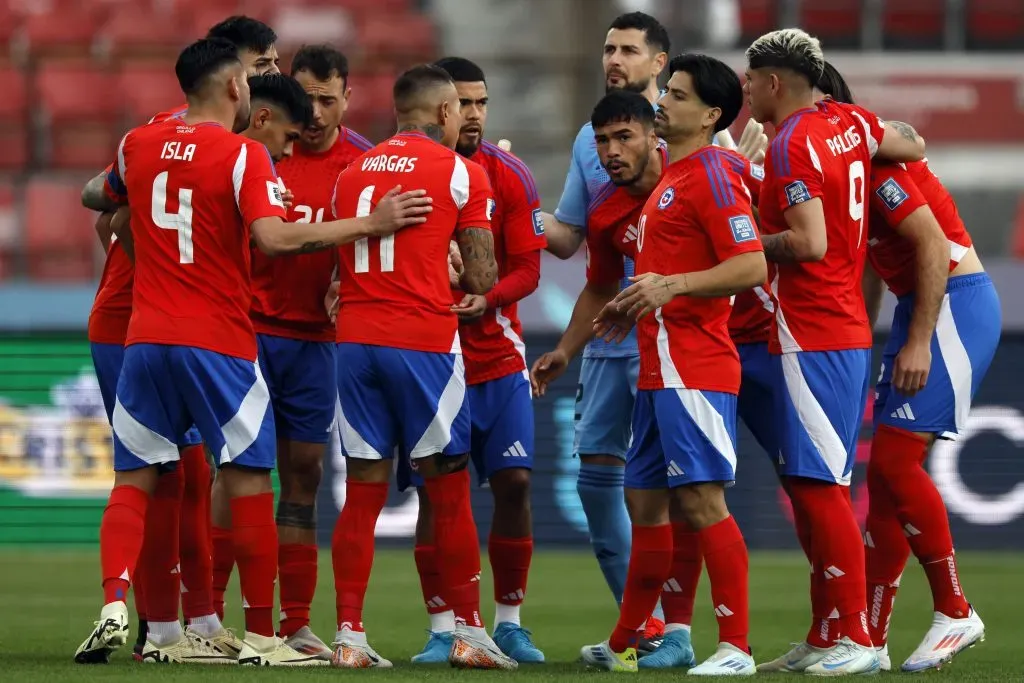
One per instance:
(50,599)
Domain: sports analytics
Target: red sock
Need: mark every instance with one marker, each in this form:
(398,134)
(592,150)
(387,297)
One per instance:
(159,555)
(196,545)
(885,551)
(297,569)
(650,563)
(922,514)
(680,591)
(121,533)
(838,552)
(139,592)
(352,549)
(725,554)
(254,532)
(223,563)
(430,579)
(824,629)
(458,547)
(510,566)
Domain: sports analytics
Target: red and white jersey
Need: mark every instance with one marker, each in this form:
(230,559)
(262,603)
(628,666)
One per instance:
(897,190)
(493,344)
(288,291)
(395,290)
(194,192)
(699,216)
(822,152)
(112,307)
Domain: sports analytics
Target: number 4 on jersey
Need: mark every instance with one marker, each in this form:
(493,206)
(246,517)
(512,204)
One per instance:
(181,222)
(362,246)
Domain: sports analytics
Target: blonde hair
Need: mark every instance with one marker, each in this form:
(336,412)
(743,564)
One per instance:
(788,48)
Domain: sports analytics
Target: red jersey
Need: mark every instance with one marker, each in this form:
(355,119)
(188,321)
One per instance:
(288,291)
(822,152)
(493,344)
(897,190)
(197,189)
(395,290)
(698,217)
(112,308)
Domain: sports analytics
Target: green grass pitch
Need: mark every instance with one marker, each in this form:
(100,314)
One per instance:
(51,597)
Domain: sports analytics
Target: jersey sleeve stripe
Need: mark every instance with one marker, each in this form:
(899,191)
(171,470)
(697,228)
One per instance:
(517,167)
(601,195)
(358,140)
(782,144)
(459,183)
(238,175)
(716,180)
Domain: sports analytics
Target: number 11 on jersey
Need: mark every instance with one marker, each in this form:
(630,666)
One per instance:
(362,246)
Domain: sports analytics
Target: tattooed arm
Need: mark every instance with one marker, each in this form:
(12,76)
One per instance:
(805,240)
(476,245)
(94,197)
(900,143)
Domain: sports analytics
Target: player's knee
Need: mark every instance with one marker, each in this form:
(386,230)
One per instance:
(511,488)
(894,451)
(647,507)
(604,460)
(440,464)
(304,471)
(700,505)
(239,480)
(368,471)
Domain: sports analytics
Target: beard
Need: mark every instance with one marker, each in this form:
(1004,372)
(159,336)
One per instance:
(633,179)
(630,86)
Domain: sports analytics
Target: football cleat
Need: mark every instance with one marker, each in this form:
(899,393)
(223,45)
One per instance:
(437,649)
(307,643)
(650,639)
(884,662)
(675,651)
(110,633)
(847,658)
(796,660)
(728,660)
(474,649)
(224,641)
(351,651)
(603,656)
(185,651)
(515,641)
(272,651)
(945,639)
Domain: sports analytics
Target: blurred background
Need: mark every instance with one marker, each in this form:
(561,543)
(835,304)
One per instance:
(75,75)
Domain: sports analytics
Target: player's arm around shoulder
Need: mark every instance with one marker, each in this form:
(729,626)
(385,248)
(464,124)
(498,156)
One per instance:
(900,142)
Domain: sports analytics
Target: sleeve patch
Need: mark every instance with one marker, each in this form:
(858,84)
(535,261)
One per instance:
(490,208)
(742,229)
(757,171)
(274,194)
(538,223)
(892,194)
(797,193)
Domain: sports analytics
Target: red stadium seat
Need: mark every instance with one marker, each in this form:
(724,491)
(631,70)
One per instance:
(361,9)
(147,89)
(80,110)
(10,228)
(913,24)
(15,134)
(57,35)
(400,39)
(137,33)
(371,108)
(995,24)
(836,22)
(757,17)
(60,243)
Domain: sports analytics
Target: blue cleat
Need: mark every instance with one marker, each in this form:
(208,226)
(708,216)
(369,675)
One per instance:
(436,651)
(674,652)
(515,642)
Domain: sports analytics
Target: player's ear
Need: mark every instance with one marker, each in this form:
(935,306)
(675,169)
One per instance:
(261,118)
(711,116)
(234,89)
(660,61)
(345,94)
(774,82)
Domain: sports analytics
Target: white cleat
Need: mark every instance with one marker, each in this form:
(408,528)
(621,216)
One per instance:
(945,639)
(474,649)
(602,656)
(796,660)
(884,662)
(306,642)
(224,641)
(186,651)
(110,633)
(728,660)
(847,658)
(272,651)
(351,651)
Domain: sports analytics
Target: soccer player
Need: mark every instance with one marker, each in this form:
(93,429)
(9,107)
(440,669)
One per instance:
(944,334)
(190,355)
(297,339)
(401,380)
(697,245)
(498,391)
(812,215)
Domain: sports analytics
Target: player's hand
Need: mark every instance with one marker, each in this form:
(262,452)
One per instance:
(648,293)
(332,300)
(547,369)
(505,144)
(288,197)
(455,265)
(397,210)
(910,370)
(611,324)
(471,307)
(753,142)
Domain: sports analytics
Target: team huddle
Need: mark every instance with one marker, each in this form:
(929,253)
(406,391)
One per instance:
(272,277)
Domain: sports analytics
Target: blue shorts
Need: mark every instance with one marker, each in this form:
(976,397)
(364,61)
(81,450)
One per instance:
(412,401)
(681,437)
(107,359)
(501,413)
(604,405)
(303,384)
(820,401)
(965,340)
(163,390)
(755,403)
